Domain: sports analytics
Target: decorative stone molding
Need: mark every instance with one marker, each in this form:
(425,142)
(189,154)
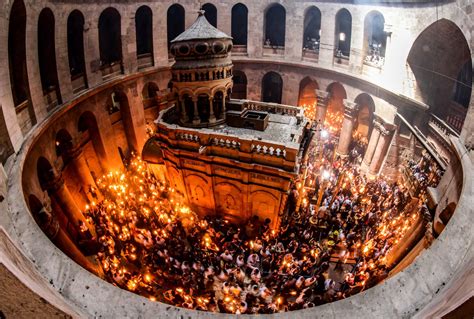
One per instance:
(350,108)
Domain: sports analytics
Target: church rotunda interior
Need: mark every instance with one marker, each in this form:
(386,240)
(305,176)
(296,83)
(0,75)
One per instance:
(286,159)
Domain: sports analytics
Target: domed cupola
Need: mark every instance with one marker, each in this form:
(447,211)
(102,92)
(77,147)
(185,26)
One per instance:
(202,73)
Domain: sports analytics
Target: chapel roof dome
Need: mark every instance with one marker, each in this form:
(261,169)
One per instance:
(201,30)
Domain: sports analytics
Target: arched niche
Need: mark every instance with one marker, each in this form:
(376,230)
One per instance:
(75,45)
(240,85)
(174,22)
(312,29)
(337,94)
(365,116)
(144,36)
(307,92)
(239,25)
(110,37)
(343,34)
(210,13)
(47,58)
(63,142)
(94,147)
(272,87)
(275,26)
(375,38)
(17,55)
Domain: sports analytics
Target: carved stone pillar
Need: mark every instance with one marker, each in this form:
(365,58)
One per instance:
(81,169)
(345,139)
(223,115)
(374,139)
(321,105)
(58,189)
(212,117)
(383,146)
(50,226)
(184,115)
(196,118)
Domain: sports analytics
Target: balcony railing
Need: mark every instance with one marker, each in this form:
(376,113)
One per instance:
(441,128)
(207,141)
(145,61)
(79,83)
(312,55)
(239,50)
(273,50)
(273,108)
(111,70)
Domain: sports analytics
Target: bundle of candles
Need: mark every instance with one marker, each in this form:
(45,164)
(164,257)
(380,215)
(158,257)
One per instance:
(309,110)
(154,245)
(333,121)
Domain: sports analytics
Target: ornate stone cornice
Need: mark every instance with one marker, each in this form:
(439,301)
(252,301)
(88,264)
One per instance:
(383,126)
(323,98)
(350,108)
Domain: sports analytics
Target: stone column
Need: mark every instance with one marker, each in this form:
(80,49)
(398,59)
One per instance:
(184,115)
(321,105)
(374,139)
(81,168)
(62,59)
(212,117)
(50,226)
(383,146)
(345,139)
(58,189)
(196,118)
(224,97)
(129,47)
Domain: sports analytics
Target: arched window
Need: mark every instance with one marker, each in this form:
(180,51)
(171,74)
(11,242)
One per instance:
(45,172)
(272,87)
(110,39)
(47,58)
(275,25)
(17,55)
(75,47)
(343,34)
(94,146)
(144,35)
(375,39)
(211,13)
(240,85)
(63,142)
(175,22)
(239,24)
(312,30)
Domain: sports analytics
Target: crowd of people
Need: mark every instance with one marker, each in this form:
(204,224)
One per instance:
(335,240)
(425,171)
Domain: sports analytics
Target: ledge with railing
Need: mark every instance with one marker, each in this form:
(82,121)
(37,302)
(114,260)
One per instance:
(273,50)
(273,108)
(231,146)
(144,61)
(441,129)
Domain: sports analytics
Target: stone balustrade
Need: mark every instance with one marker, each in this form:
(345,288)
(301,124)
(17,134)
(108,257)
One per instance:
(229,145)
(441,128)
(271,107)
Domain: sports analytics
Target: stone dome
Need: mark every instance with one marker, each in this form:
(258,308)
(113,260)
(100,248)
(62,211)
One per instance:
(201,43)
